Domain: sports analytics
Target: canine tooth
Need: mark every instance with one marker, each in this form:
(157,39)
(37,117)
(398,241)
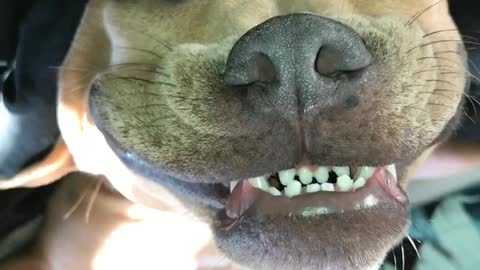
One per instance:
(286,177)
(274,191)
(341,170)
(232,185)
(364,172)
(260,182)
(305,175)
(328,187)
(360,182)
(312,188)
(393,170)
(344,182)
(293,189)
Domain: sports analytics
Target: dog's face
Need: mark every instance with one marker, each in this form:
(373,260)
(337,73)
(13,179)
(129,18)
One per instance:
(298,96)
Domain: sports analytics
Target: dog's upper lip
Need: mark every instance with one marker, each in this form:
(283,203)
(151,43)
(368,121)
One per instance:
(381,188)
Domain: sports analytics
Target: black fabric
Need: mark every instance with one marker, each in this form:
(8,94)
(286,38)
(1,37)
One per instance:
(39,35)
(44,35)
(8,34)
(466,14)
(19,206)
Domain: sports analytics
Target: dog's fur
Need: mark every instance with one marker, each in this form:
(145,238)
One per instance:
(141,99)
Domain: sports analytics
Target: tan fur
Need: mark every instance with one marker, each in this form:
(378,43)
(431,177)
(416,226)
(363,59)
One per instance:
(189,41)
(105,231)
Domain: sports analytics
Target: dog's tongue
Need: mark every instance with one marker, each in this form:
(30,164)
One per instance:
(242,197)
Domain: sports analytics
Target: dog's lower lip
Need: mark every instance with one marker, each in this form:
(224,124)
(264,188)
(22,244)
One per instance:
(381,188)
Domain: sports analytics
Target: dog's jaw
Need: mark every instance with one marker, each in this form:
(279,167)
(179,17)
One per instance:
(123,163)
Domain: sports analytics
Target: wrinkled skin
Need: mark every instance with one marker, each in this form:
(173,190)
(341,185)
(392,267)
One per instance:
(144,83)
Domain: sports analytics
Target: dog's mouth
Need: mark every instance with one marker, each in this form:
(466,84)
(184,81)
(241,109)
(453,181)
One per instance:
(314,212)
(313,191)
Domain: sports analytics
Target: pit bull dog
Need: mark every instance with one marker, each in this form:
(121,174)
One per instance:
(243,134)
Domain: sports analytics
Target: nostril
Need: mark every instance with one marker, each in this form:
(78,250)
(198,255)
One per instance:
(256,68)
(263,69)
(333,60)
(326,64)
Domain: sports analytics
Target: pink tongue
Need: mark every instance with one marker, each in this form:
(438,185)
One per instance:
(242,197)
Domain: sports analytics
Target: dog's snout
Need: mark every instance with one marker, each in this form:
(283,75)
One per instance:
(299,59)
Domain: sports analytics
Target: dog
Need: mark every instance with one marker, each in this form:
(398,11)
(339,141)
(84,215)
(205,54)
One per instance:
(244,134)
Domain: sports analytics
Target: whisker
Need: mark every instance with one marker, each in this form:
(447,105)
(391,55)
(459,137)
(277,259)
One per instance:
(475,114)
(428,70)
(403,257)
(144,93)
(161,42)
(140,50)
(414,246)
(469,117)
(436,94)
(115,77)
(394,259)
(474,99)
(147,106)
(139,69)
(70,68)
(120,65)
(93,196)
(474,65)
(437,58)
(75,206)
(442,81)
(445,52)
(440,31)
(419,109)
(442,41)
(421,12)
(440,105)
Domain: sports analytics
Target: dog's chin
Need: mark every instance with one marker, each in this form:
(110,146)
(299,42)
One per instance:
(324,230)
(261,229)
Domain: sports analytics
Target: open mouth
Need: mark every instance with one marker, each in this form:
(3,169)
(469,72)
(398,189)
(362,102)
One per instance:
(314,190)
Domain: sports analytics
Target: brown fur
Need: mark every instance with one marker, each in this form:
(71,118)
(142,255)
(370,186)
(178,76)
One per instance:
(157,66)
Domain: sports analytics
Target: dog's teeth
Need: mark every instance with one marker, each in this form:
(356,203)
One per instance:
(341,170)
(321,174)
(364,172)
(260,182)
(312,188)
(344,183)
(294,188)
(391,168)
(232,185)
(359,183)
(305,175)
(328,187)
(274,191)
(286,177)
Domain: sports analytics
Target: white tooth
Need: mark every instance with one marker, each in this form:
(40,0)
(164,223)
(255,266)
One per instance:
(360,182)
(305,175)
(364,172)
(312,188)
(260,182)
(321,174)
(393,170)
(328,187)
(286,177)
(341,170)
(274,191)
(345,183)
(293,189)
(232,185)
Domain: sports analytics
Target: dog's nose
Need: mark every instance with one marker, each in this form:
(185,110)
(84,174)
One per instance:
(298,62)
